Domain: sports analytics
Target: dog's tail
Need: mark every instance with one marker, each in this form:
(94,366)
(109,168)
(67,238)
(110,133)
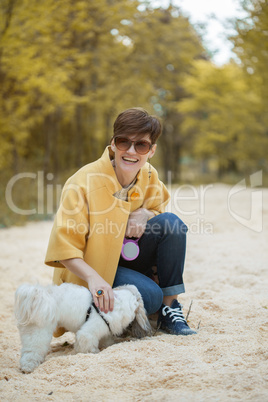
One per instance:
(34,304)
(141,326)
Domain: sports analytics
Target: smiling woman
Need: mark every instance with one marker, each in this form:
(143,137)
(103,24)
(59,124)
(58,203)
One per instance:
(130,156)
(120,196)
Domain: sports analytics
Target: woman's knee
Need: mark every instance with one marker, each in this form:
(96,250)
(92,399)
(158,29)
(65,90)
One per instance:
(169,223)
(151,293)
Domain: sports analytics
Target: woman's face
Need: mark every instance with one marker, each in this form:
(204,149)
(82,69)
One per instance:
(130,162)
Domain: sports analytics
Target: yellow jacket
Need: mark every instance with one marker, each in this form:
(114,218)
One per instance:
(91,222)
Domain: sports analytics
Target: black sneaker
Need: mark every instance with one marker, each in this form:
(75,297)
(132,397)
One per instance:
(171,320)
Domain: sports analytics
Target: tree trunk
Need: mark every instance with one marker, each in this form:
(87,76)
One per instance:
(47,144)
(15,158)
(78,137)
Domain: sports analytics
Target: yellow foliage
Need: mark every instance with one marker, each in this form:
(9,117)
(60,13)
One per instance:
(68,67)
(222,115)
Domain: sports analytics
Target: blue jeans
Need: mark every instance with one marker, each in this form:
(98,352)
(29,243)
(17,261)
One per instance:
(163,244)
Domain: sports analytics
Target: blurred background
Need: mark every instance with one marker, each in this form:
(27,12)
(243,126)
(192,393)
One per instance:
(67,68)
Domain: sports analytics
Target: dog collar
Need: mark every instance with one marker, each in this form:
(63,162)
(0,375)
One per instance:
(98,311)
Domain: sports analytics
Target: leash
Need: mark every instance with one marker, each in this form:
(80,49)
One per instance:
(98,311)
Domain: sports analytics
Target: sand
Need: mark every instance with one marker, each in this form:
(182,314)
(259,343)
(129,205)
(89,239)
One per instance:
(226,276)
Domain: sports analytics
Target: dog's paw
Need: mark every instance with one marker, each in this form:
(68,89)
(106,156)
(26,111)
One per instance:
(86,342)
(28,367)
(85,348)
(94,350)
(28,363)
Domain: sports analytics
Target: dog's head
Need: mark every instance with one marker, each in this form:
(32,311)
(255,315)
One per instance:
(140,326)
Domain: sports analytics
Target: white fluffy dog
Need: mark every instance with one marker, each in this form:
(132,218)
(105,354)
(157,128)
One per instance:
(40,310)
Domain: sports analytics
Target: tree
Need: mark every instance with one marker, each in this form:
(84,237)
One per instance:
(67,68)
(165,46)
(251,46)
(222,117)
(60,66)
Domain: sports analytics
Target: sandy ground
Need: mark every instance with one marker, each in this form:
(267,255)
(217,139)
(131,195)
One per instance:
(226,276)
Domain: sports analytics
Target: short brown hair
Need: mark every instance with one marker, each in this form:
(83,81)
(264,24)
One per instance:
(137,121)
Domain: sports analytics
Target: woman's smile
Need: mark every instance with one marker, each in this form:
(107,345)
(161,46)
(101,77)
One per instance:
(129,159)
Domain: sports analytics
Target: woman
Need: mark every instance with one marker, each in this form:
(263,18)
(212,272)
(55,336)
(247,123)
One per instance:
(120,196)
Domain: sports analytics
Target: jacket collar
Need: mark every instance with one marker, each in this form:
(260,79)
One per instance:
(106,169)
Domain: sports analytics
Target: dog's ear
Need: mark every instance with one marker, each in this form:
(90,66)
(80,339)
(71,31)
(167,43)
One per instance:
(141,326)
(140,331)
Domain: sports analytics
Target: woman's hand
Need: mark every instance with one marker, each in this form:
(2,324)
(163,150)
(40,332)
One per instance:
(137,222)
(95,282)
(106,302)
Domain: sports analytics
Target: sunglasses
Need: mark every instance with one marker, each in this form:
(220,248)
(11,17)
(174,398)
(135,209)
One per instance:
(142,147)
